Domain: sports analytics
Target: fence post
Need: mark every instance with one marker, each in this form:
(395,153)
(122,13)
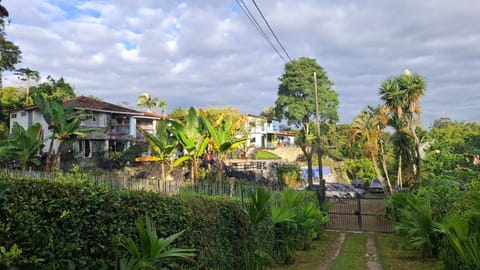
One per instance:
(359,212)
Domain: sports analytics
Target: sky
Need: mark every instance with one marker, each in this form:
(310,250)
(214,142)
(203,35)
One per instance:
(208,54)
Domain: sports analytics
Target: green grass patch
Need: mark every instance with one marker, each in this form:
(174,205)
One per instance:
(352,254)
(312,259)
(393,257)
(261,154)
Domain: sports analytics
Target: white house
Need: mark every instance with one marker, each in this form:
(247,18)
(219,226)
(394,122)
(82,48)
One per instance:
(114,127)
(264,132)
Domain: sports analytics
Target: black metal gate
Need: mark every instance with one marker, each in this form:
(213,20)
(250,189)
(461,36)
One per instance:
(362,214)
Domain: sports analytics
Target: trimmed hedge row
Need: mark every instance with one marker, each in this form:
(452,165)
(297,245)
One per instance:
(75,226)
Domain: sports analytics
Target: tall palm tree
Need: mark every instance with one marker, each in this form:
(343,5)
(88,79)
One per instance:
(162,104)
(26,74)
(381,115)
(145,100)
(364,128)
(402,95)
(402,142)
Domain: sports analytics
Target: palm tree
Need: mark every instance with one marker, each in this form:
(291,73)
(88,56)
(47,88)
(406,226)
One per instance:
(365,128)
(402,96)
(162,104)
(25,74)
(145,100)
(402,142)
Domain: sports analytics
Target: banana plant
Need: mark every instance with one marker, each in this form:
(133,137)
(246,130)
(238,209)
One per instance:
(24,144)
(223,137)
(193,139)
(161,144)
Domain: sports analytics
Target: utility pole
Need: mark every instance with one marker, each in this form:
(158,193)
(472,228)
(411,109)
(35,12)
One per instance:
(321,189)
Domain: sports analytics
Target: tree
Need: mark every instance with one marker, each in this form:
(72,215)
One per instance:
(402,95)
(10,98)
(223,137)
(402,143)
(54,89)
(9,52)
(296,96)
(26,74)
(162,104)
(145,100)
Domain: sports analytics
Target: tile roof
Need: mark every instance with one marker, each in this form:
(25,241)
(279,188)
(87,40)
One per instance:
(95,104)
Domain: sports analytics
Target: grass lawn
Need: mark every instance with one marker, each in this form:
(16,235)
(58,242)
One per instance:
(265,155)
(393,257)
(311,259)
(352,254)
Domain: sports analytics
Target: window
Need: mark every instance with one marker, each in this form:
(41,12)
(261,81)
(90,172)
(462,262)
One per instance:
(85,148)
(23,113)
(14,115)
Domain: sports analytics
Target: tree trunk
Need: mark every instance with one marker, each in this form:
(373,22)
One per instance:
(375,167)
(399,172)
(49,156)
(384,165)
(219,169)
(417,151)
(163,170)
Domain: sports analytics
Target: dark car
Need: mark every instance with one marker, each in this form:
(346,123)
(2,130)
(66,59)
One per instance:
(358,183)
(376,186)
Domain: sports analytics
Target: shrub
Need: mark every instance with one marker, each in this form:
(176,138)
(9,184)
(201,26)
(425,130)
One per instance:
(60,225)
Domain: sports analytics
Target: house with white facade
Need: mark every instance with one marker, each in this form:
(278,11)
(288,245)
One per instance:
(264,132)
(114,128)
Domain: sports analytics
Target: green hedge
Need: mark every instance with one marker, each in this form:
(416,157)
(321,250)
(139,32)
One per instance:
(75,226)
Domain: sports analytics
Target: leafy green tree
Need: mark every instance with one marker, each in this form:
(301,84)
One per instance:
(24,144)
(402,144)
(10,53)
(63,122)
(296,96)
(162,104)
(223,137)
(145,100)
(10,98)
(26,74)
(54,89)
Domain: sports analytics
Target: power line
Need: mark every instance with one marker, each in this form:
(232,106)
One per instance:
(271,30)
(252,19)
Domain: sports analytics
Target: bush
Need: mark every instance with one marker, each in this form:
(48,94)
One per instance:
(76,226)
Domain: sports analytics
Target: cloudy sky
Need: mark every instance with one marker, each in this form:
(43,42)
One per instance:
(207,53)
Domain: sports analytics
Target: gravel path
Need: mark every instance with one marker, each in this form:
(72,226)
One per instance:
(372,255)
(334,251)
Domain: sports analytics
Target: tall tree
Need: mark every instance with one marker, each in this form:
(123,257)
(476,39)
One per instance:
(26,74)
(145,100)
(10,98)
(162,104)
(402,95)
(9,52)
(296,96)
(54,89)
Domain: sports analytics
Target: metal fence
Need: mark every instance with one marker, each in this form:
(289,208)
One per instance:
(359,214)
(121,181)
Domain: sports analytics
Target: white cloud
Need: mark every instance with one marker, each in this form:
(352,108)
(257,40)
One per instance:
(207,53)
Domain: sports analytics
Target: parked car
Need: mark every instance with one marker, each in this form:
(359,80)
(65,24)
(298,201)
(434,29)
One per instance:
(352,191)
(332,191)
(376,186)
(358,183)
